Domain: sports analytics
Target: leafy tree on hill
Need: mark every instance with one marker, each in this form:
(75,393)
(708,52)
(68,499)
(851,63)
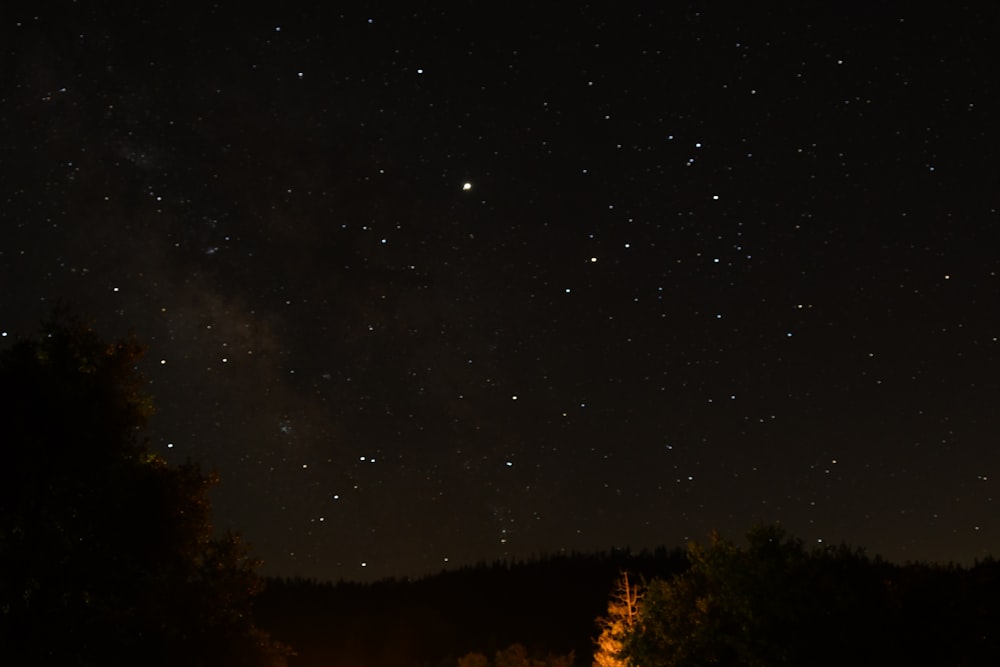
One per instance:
(108,551)
(771,603)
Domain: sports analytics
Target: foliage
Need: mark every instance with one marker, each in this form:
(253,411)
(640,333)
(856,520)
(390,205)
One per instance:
(827,606)
(108,551)
(727,607)
(775,603)
(466,612)
(516,655)
(618,624)
(474,660)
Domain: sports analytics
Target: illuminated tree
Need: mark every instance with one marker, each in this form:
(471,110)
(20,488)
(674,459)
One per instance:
(473,660)
(616,627)
(107,551)
(515,655)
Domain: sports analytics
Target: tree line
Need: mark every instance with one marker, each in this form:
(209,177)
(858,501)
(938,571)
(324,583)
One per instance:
(774,602)
(542,610)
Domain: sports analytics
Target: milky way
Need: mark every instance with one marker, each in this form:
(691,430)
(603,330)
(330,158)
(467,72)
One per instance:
(430,288)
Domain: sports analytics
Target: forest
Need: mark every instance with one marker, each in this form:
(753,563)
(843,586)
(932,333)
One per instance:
(543,610)
(110,558)
(764,600)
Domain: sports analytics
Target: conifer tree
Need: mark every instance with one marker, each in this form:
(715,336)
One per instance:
(622,616)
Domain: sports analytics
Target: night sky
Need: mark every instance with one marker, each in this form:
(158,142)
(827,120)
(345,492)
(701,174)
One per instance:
(429,287)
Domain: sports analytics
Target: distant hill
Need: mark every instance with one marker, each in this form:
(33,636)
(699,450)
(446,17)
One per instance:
(536,613)
(549,605)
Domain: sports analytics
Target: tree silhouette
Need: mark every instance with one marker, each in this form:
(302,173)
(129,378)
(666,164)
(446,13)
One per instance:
(770,603)
(108,551)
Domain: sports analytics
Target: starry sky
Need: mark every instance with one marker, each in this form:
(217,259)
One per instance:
(450,284)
